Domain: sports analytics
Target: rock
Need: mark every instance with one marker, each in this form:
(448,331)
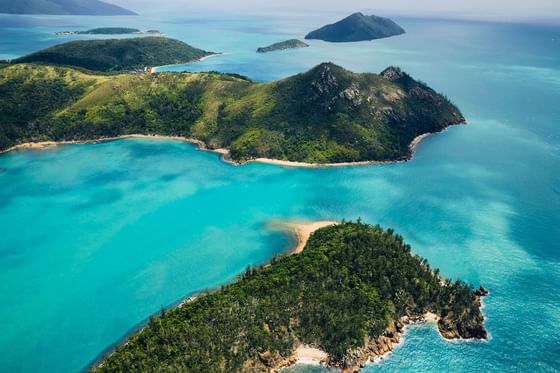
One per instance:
(392,73)
(481,291)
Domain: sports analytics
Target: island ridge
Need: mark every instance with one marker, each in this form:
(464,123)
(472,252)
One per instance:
(325,115)
(117,55)
(357,27)
(288,44)
(62,7)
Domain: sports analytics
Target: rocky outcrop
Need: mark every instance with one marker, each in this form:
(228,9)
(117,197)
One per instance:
(467,325)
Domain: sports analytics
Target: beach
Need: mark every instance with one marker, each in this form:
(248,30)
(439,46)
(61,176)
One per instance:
(301,230)
(222,151)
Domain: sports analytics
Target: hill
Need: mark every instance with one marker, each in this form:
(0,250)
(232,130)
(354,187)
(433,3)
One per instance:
(74,7)
(117,54)
(288,44)
(325,115)
(348,293)
(357,27)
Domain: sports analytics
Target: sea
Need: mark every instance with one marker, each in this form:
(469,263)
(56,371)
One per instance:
(96,238)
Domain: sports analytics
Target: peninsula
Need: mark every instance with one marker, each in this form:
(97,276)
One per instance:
(63,7)
(117,55)
(323,116)
(344,299)
(109,31)
(288,44)
(357,27)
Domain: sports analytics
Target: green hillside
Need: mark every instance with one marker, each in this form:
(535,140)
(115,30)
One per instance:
(351,284)
(113,55)
(325,115)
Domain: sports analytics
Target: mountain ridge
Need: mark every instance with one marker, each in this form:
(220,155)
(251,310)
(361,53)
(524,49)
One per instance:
(62,7)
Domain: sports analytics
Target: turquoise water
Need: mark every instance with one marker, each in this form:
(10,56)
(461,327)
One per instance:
(95,238)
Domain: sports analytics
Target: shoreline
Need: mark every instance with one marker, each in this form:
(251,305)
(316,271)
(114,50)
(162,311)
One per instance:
(154,69)
(301,230)
(221,151)
(372,353)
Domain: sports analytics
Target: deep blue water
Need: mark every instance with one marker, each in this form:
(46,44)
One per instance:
(95,238)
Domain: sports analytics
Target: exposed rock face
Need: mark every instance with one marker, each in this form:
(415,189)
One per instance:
(325,86)
(452,326)
(392,73)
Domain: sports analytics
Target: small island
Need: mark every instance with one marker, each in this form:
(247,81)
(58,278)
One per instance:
(109,31)
(288,44)
(357,27)
(327,116)
(63,7)
(117,55)
(345,299)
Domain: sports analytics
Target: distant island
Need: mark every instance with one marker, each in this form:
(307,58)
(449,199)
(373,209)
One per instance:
(327,115)
(62,7)
(288,44)
(117,55)
(109,31)
(357,27)
(346,297)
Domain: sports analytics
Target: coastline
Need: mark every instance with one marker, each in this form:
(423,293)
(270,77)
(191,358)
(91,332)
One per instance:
(223,152)
(373,352)
(301,230)
(154,70)
(374,349)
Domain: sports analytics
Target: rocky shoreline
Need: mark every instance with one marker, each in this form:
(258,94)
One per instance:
(378,348)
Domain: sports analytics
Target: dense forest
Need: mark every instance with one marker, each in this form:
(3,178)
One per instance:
(325,115)
(351,282)
(288,44)
(117,55)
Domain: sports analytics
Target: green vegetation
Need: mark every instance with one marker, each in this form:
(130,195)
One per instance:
(352,281)
(288,44)
(76,7)
(103,31)
(325,115)
(357,27)
(117,54)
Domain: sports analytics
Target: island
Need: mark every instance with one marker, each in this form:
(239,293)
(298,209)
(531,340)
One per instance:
(325,116)
(117,55)
(345,299)
(63,7)
(357,27)
(109,31)
(288,44)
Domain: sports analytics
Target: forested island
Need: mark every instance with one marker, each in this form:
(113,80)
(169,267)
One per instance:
(117,55)
(325,115)
(283,45)
(357,27)
(108,31)
(349,293)
(62,7)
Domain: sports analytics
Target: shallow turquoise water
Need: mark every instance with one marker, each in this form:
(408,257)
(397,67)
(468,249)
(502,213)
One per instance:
(95,238)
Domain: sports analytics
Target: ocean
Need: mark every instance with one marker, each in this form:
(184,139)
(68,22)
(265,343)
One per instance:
(96,238)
